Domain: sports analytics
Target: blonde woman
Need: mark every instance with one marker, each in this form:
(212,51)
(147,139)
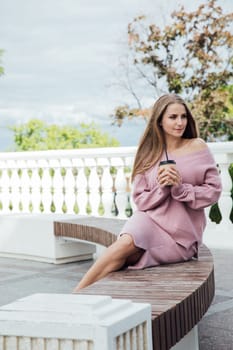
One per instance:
(168,224)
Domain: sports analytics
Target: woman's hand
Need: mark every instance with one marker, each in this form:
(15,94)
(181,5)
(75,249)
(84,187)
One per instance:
(168,176)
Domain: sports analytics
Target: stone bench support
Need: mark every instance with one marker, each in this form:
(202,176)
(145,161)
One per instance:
(32,237)
(70,322)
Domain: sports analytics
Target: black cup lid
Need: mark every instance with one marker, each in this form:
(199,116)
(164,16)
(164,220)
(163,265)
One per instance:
(168,161)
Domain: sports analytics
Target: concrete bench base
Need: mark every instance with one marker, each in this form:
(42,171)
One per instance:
(69,322)
(31,236)
(189,342)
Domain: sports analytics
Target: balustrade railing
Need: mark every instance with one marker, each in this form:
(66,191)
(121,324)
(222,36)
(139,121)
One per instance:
(86,181)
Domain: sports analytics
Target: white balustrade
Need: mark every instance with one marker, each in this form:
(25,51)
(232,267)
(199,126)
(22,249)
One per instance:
(84,181)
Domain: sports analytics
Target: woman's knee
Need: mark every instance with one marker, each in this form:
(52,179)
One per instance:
(126,241)
(124,245)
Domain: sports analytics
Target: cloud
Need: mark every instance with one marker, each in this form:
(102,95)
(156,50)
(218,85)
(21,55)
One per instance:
(61,56)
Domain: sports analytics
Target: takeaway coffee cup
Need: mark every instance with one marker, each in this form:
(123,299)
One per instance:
(166,163)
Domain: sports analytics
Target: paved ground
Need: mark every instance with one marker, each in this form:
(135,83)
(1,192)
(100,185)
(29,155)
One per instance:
(19,278)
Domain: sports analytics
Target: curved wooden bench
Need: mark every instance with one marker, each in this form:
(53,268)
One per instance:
(179,294)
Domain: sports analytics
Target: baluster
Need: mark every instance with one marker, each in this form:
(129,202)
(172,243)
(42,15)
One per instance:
(2,342)
(106,182)
(225,201)
(131,207)
(120,185)
(127,340)
(53,344)
(65,344)
(128,209)
(133,338)
(75,208)
(34,199)
(5,184)
(35,187)
(38,343)
(14,186)
(10,343)
(140,337)
(114,208)
(2,165)
(24,343)
(81,185)
(46,185)
(69,185)
(120,342)
(25,192)
(9,190)
(57,184)
(94,185)
(20,165)
(82,345)
(14,195)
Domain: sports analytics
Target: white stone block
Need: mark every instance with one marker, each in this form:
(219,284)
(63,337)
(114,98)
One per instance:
(31,236)
(63,322)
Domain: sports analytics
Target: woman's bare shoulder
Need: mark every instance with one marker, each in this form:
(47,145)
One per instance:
(197,144)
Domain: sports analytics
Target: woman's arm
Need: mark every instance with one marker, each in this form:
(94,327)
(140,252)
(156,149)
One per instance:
(200,196)
(147,198)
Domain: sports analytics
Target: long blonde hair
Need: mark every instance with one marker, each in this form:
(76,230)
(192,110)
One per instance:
(152,142)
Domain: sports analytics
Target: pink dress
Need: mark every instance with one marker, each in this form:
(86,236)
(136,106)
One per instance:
(169,221)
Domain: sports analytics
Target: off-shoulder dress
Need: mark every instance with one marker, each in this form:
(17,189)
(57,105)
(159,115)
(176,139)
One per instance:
(169,221)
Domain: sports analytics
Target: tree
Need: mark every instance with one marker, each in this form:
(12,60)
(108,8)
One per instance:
(37,135)
(193,57)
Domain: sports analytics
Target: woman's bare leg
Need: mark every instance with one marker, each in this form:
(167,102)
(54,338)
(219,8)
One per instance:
(113,259)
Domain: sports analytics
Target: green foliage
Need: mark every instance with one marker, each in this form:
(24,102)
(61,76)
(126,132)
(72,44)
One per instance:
(231,174)
(214,113)
(215,214)
(37,135)
(193,57)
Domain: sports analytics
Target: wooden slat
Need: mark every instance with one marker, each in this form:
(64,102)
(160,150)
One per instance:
(92,229)
(179,294)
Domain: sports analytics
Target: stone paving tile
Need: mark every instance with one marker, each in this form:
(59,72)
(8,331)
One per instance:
(19,278)
(34,284)
(24,264)
(220,298)
(70,271)
(223,261)
(214,339)
(221,320)
(220,307)
(221,292)
(216,327)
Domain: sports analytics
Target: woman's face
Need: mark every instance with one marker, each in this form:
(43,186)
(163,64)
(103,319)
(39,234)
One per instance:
(174,120)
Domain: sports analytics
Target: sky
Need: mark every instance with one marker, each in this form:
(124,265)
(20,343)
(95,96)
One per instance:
(62,58)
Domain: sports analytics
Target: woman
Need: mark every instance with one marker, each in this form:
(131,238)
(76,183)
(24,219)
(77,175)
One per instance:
(170,220)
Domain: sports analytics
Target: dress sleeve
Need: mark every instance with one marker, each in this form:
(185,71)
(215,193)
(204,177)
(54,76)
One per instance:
(147,198)
(200,196)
